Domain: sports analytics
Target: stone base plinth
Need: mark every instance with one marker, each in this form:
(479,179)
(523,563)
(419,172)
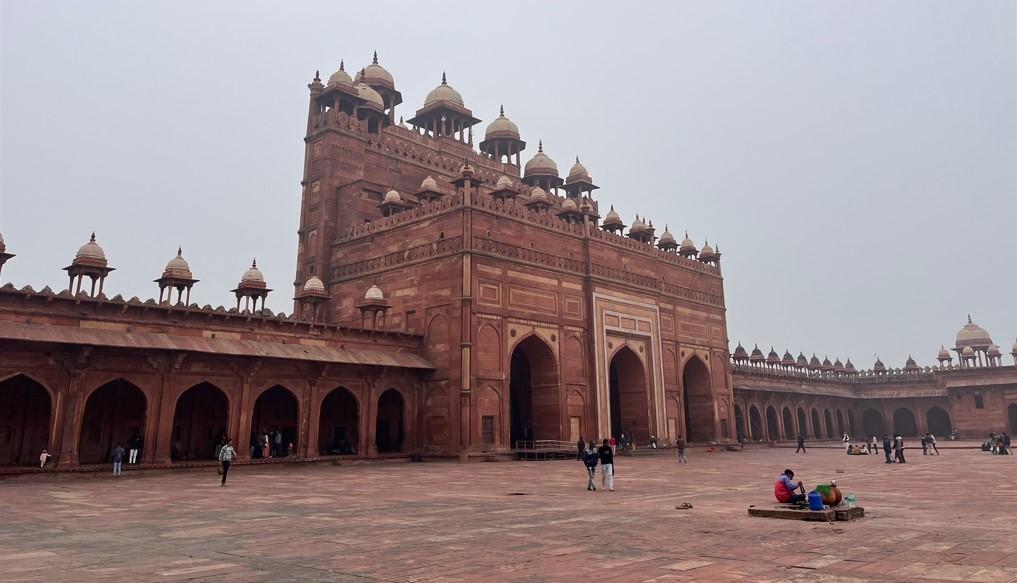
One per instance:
(793,513)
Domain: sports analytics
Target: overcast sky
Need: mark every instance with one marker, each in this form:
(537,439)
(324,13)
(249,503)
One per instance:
(855,161)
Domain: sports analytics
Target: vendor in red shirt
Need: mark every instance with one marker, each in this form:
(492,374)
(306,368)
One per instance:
(784,489)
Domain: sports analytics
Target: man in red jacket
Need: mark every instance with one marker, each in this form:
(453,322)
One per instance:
(784,489)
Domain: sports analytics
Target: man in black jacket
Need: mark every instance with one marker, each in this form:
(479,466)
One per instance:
(606,465)
(886,448)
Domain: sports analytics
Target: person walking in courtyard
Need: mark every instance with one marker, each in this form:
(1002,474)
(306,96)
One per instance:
(606,454)
(873,448)
(679,444)
(886,448)
(134,445)
(784,489)
(226,456)
(801,444)
(43,458)
(847,442)
(590,459)
(614,443)
(931,440)
(1007,443)
(898,447)
(581,449)
(118,459)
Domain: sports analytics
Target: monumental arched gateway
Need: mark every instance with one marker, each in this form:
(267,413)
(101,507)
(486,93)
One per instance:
(699,405)
(630,398)
(25,417)
(534,392)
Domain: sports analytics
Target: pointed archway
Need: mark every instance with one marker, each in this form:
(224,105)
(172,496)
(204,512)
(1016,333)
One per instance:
(740,424)
(904,422)
(872,423)
(817,429)
(113,413)
(276,409)
(937,420)
(789,424)
(840,422)
(24,420)
(772,428)
(851,422)
(803,424)
(338,423)
(699,418)
(200,420)
(534,393)
(390,432)
(828,421)
(630,399)
(755,424)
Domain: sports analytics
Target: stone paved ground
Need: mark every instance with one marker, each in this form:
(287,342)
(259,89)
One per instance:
(946,518)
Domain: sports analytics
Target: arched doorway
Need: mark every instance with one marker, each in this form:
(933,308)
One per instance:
(534,393)
(872,423)
(803,423)
(1011,412)
(756,424)
(24,421)
(817,429)
(389,431)
(772,429)
(699,420)
(828,419)
(904,423)
(740,423)
(338,423)
(789,424)
(851,422)
(938,421)
(199,422)
(275,410)
(113,413)
(840,422)
(630,401)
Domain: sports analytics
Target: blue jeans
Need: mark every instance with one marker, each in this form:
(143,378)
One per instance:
(116,468)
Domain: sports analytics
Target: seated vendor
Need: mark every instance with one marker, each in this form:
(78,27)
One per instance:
(784,489)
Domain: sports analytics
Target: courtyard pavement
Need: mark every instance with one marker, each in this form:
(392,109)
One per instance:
(937,518)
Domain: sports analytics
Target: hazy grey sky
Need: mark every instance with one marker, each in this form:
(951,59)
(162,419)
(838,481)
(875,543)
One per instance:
(855,161)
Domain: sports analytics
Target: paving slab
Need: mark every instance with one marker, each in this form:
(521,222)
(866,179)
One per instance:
(517,522)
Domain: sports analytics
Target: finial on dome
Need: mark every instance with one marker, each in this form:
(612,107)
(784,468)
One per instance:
(363,73)
(180,251)
(375,62)
(540,146)
(443,80)
(400,120)
(502,111)
(254,263)
(342,64)
(969,315)
(612,207)
(577,159)
(686,233)
(706,241)
(317,75)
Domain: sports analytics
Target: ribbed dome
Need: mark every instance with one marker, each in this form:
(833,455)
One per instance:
(993,351)
(502,127)
(968,352)
(428,184)
(848,366)
(787,359)
(503,182)
(973,335)
(313,284)
(687,244)
(538,194)
(637,225)
(392,196)
(814,361)
(879,365)
(740,351)
(372,96)
(90,250)
(801,361)
(612,218)
(757,354)
(374,293)
(540,163)
(578,169)
(666,238)
(910,363)
(827,363)
(374,73)
(706,251)
(253,274)
(944,354)
(838,365)
(569,205)
(444,92)
(178,264)
(340,76)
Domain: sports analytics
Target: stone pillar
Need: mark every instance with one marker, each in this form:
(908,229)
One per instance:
(71,414)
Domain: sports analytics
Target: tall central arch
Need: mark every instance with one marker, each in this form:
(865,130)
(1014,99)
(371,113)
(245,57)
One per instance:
(630,399)
(534,392)
(699,420)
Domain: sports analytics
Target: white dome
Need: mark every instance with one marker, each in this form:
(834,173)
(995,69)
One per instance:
(340,76)
(968,352)
(313,284)
(429,184)
(90,250)
(393,196)
(706,251)
(578,169)
(365,92)
(178,263)
(667,238)
(637,225)
(444,92)
(569,205)
(253,274)
(540,163)
(944,354)
(502,125)
(993,351)
(687,244)
(375,73)
(538,194)
(504,182)
(374,293)
(612,217)
(973,335)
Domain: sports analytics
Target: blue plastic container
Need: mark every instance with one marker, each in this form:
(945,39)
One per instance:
(815,500)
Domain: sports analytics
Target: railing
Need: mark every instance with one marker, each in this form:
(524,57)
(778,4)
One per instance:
(543,449)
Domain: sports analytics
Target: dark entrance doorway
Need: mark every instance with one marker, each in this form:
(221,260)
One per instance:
(389,432)
(938,421)
(817,429)
(803,425)
(789,424)
(772,429)
(534,395)
(740,424)
(1011,412)
(275,410)
(872,423)
(698,401)
(828,419)
(630,403)
(199,422)
(904,423)
(24,421)
(113,413)
(338,426)
(755,424)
